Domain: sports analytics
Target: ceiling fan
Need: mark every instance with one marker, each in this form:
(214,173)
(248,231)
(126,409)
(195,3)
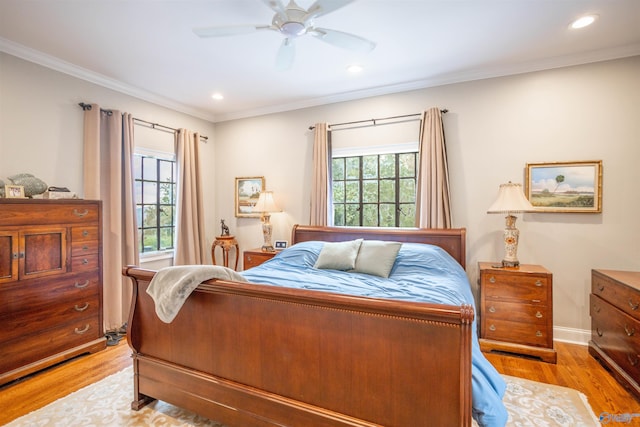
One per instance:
(292,22)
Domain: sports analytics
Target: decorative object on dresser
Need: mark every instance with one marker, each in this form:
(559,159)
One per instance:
(516,310)
(50,283)
(615,324)
(510,200)
(266,206)
(254,257)
(226,243)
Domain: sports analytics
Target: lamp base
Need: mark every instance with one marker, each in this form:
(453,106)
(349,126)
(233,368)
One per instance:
(266,248)
(506,263)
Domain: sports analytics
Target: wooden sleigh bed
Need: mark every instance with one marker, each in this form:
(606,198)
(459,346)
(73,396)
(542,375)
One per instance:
(247,354)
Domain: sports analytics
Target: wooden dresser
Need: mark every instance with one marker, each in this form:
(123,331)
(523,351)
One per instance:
(50,283)
(615,324)
(516,310)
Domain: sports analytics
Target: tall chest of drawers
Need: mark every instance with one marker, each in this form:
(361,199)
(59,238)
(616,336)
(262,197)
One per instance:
(516,310)
(615,324)
(50,283)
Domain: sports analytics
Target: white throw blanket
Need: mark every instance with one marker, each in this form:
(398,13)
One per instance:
(171,286)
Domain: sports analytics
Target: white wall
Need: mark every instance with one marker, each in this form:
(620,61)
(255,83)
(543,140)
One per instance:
(493,128)
(41,125)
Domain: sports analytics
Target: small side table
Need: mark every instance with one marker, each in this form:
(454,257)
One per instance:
(226,243)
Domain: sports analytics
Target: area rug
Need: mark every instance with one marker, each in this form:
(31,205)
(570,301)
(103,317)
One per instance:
(107,403)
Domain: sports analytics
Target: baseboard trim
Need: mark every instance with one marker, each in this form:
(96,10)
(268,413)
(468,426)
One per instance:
(572,335)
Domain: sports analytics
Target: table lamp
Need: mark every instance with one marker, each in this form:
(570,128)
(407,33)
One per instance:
(510,200)
(265,205)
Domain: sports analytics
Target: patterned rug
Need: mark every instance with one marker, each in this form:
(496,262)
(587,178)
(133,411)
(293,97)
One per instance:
(107,403)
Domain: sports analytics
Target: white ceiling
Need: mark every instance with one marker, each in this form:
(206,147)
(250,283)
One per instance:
(147,47)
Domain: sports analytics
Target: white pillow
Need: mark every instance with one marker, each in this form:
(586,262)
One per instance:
(338,255)
(376,257)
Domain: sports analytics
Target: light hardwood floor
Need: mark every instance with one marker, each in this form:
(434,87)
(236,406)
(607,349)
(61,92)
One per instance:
(575,369)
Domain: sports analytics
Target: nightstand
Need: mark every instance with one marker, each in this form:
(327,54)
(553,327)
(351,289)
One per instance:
(516,310)
(254,257)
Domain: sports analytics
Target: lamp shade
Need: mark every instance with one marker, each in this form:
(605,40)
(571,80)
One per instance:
(265,203)
(510,199)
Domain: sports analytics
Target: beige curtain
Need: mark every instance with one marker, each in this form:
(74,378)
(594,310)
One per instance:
(108,176)
(190,236)
(321,212)
(433,200)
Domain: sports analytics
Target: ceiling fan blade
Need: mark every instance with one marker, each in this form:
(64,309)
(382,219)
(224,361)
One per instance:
(277,7)
(286,54)
(343,40)
(229,30)
(322,7)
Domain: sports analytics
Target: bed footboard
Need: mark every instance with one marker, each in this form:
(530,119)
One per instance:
(257,355)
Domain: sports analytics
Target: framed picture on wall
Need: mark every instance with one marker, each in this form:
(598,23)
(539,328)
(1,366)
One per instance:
(247,192)
(565,186)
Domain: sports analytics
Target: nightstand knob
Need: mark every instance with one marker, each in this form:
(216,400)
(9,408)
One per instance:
(634,305)
(538,283)
(629,332)
(492,327)
(249,258)
(538,333)
(492,279)
(492,309)
(633,359)
(539,315)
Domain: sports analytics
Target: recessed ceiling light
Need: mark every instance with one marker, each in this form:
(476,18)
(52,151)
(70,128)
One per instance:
(355,68)
(217,96)
(584,21)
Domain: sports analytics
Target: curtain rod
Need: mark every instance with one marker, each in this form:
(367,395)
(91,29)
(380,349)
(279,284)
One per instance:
(444,111)
(153,125)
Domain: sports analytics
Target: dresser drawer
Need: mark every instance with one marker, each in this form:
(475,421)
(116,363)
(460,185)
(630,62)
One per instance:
(72,310)
(88,262)
(515,288)
(50,212)
(38,294)
(25,350)
(517,333)
(616,333)
(624,297)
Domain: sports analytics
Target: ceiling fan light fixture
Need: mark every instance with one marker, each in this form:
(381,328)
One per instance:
(354,68)
(217,96)
(293,29)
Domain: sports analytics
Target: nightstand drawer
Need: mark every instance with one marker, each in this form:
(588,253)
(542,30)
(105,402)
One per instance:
(515,288)
(255,257)
(517,333)
(515,312)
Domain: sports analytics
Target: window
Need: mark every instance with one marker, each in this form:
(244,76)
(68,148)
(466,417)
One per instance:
(375,190)
(155,187)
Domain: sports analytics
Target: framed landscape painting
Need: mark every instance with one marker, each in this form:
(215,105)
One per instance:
(565,187)
(247,192)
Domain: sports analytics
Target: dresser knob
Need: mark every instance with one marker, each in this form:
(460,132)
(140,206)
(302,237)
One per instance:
(85,261)
(629,331)
(249,258)
(539,315)
(538,283)
(596,308)
(601,287)
(492,309)
(634,306)
(85,233)
(538,333)
(599,332)
(492,279)
(492,328)
(76,212)
(633,359)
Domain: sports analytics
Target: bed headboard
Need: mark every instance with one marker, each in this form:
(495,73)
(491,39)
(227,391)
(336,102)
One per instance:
(452,240)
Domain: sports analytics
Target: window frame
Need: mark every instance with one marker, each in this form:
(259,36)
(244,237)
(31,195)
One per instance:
(158,156)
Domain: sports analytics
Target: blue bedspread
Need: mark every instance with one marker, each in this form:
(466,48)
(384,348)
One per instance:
(420,273)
